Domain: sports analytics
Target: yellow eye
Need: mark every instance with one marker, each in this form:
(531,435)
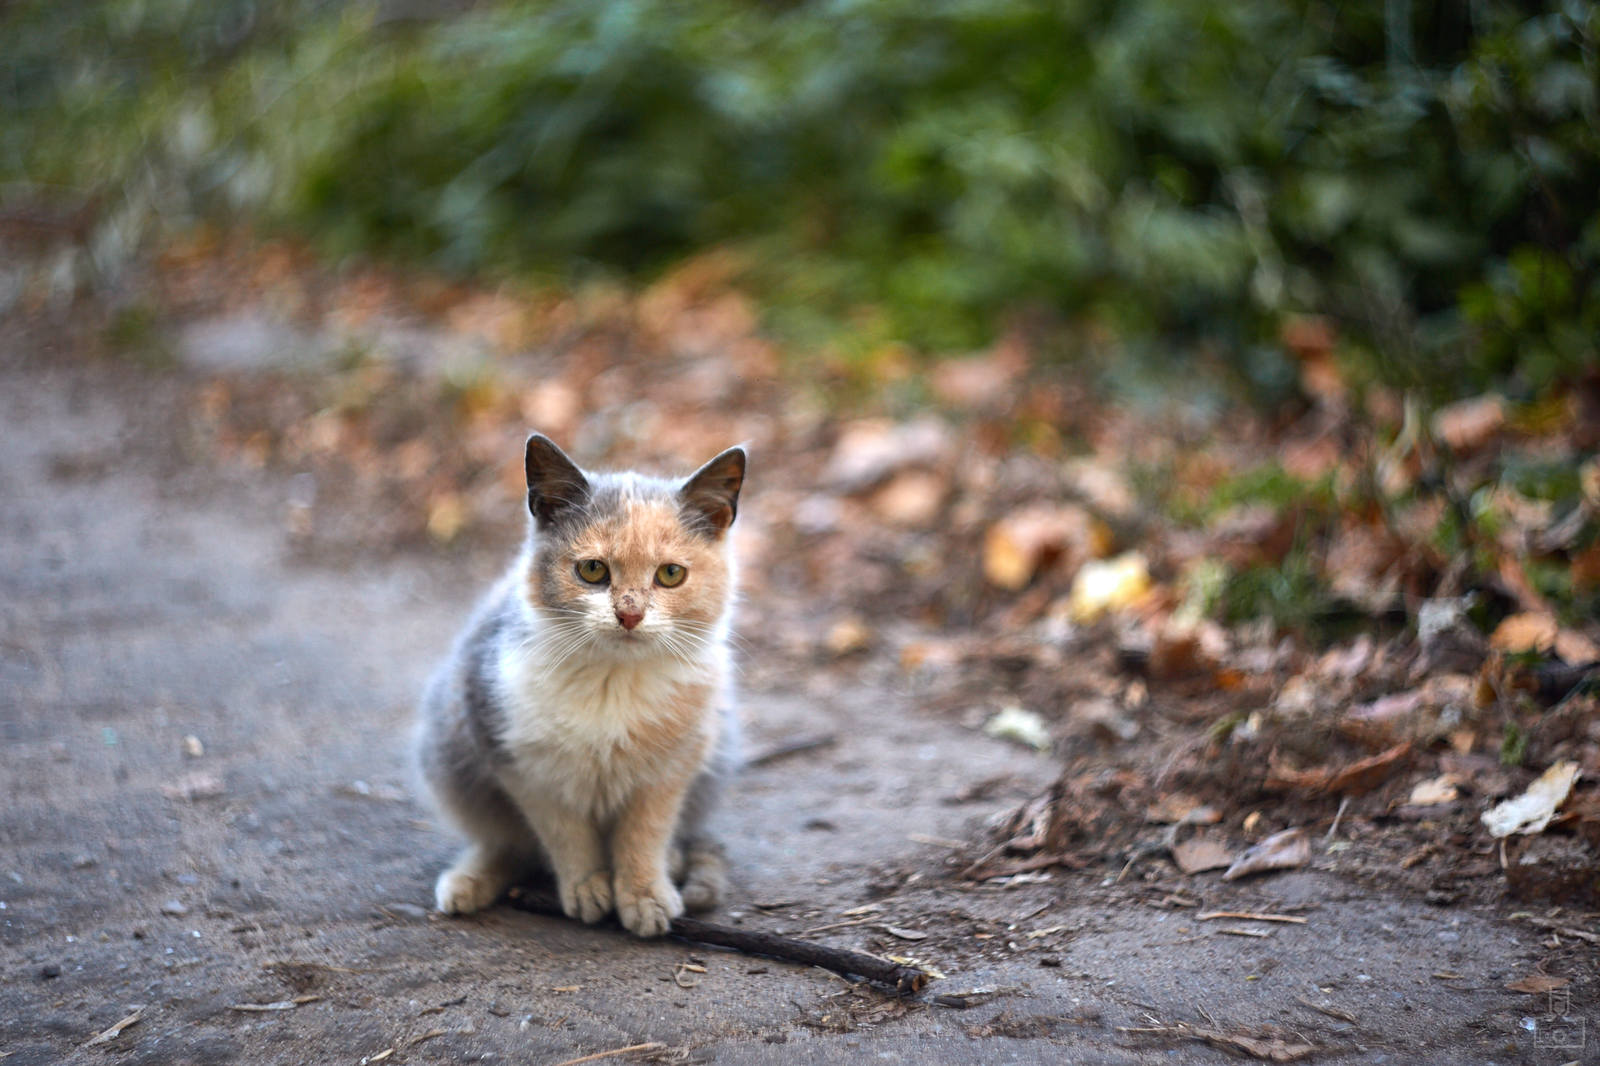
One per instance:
(670,574)
(593,571)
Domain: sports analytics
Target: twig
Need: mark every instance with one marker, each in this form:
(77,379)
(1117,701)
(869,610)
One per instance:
(793,747)
(652,1046)
(1332,1012)
(1252,915)
(1344,801)
(977,872)
(905,980)
(868,920)
(112,1033)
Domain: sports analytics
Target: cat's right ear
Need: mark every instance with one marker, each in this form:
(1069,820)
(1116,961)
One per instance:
(555,484)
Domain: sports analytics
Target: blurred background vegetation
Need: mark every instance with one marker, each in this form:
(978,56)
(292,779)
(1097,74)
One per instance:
(1147,175)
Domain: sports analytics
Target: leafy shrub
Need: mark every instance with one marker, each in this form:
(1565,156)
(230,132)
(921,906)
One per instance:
(1427,175)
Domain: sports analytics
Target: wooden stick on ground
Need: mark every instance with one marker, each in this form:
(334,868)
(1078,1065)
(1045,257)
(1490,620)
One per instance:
(904,980)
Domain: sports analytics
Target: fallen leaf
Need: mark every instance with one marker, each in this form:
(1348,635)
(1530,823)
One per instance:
(869,451)
(1286,850)
(1102,586)
(1273,1049)
(1468,425)
(1538,984)
(1025,542)
(1435,790)
(1575,648)
(1532,811)
(1526,632)
(1103,720)
(1201,853)
(905,934)
(1021,725)
(982,381)
(911,498)
(1181,808)
(848,636)
(447,514)
(1367,774)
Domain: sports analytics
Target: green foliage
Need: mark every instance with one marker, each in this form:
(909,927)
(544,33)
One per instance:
(1513,745)
(1428,175)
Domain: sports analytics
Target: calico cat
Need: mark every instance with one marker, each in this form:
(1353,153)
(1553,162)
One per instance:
(584,721)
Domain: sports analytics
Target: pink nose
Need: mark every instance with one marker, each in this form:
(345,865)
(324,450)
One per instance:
(629,619)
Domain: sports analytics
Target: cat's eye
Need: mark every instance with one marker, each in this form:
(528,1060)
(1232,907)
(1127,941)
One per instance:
(593,571)
(670,574)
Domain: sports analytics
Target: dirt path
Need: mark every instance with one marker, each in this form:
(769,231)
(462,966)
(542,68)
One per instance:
(284,859)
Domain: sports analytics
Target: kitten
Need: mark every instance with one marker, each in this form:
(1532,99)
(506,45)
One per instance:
(584,721)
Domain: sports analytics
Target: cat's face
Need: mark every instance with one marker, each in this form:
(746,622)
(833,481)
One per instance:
(627,565)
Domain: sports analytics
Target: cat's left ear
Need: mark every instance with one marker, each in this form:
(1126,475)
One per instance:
(711,496)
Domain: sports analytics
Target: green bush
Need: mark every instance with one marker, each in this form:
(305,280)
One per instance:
(1427,175)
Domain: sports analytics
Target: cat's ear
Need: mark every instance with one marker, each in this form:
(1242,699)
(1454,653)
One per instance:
(555,484)
(711,496)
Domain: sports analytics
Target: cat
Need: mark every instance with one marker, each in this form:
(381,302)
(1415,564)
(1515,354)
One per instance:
(584,722)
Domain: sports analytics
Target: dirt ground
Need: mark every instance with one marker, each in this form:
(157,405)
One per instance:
(208,825)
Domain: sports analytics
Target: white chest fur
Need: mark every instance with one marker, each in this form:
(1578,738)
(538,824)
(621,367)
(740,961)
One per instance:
(587,734)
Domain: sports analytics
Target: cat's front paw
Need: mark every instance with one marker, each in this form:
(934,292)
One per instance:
(650,912)
(463,892)
(587,899)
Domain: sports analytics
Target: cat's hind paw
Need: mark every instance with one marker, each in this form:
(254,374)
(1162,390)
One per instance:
(649,913)
(705,879)
(589,898)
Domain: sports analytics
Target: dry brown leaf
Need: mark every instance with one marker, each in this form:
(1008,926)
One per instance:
(1367,774)
(848,636)
(1027,541)
(1586,569)
(1271,1049)
(1435,790)
(1529,631)
(982,381)
(1285,850)
(1537,984)
(870,450)
(1173,808)
(1575,648)
(1201,853)
(1468,425)
(912,498)
(1284,778)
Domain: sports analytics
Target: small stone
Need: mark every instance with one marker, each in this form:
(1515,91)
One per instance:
(49,972)
(174,907)
(1052,961)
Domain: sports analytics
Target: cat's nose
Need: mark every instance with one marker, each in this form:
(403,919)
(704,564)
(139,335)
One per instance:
(629,619)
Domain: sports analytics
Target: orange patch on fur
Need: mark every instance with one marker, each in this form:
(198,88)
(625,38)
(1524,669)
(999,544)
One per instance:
(633,544)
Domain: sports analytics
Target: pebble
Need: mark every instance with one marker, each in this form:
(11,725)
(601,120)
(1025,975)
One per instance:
(174,908)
